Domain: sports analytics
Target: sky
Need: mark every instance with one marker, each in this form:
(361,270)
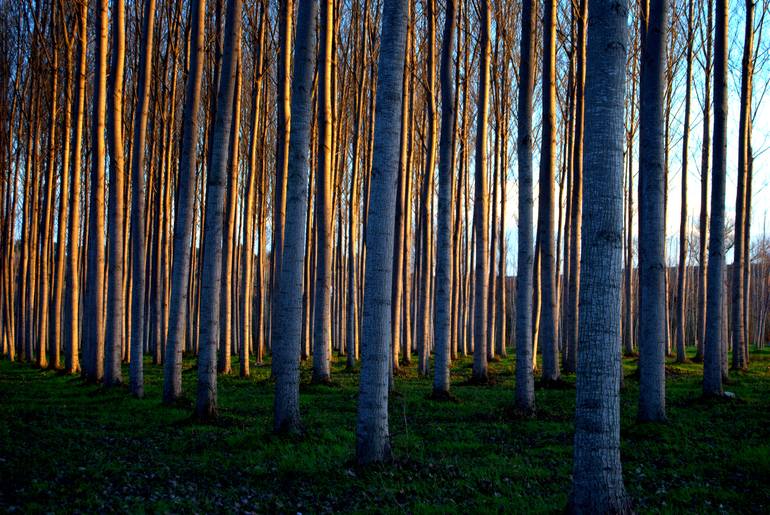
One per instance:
(760,142)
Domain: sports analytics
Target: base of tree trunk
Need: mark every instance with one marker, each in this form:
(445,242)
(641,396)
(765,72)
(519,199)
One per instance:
(442,396)
(321,379)
(292,429)
(554,384)
(480,379)
(205,415)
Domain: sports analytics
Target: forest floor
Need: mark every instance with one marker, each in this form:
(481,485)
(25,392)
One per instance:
(69,447)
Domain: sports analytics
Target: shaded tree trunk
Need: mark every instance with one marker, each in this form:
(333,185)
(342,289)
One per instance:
(715,320)
(183,223)
(597,485)
(372,435)
(206,406)
(652,186)
(525,386)
(287,321)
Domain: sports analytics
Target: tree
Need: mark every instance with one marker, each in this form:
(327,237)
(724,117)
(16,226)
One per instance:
(72,302)
(480,206)
(372,436)
(138,245)
(525,388)
(183,224)
(549,315)
(323,201)
(682,275)
(283,137)
(705,151)
(442,319)
(576,202)
(597,485)
(287,321)
(742,211)
(94,302)
(652,256)
(712,351)
(116,229)
(206,406)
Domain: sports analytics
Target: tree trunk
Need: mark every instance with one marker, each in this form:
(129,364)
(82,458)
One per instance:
(72,303)
(652,256)
(372,436)
(287,321)
(681,342)
(94,337)
(740,257)
(715,321)
(445,205)
(322,308)
(576,202)
(206,407)
(597,485)
(136,371)
(183,224)
(116,228)
(525,386)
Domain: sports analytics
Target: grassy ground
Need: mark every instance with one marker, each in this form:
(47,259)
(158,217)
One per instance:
(69,447)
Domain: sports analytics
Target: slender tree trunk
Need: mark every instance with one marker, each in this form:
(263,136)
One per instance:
(94,337)
(372,435)
(549,315)
(525,386)
(206,407)
(681,356)
(652,256)
(715,321)
(480,205)
(183,223)
(116,228)
(138,248)
(64,199)
(283,137)
(703,222)
(445,205)
(287,322)
(322,308)
(72,303)
(740,256)
(226,343)
(576,202)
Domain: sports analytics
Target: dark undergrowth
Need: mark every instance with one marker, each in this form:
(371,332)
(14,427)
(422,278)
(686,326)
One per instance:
(70,447)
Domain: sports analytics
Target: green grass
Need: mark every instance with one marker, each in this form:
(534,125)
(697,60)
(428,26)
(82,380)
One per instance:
(65,446)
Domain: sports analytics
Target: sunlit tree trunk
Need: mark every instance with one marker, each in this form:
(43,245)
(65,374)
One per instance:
(323,202)
(116,229)
(72,301)
(549,315)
